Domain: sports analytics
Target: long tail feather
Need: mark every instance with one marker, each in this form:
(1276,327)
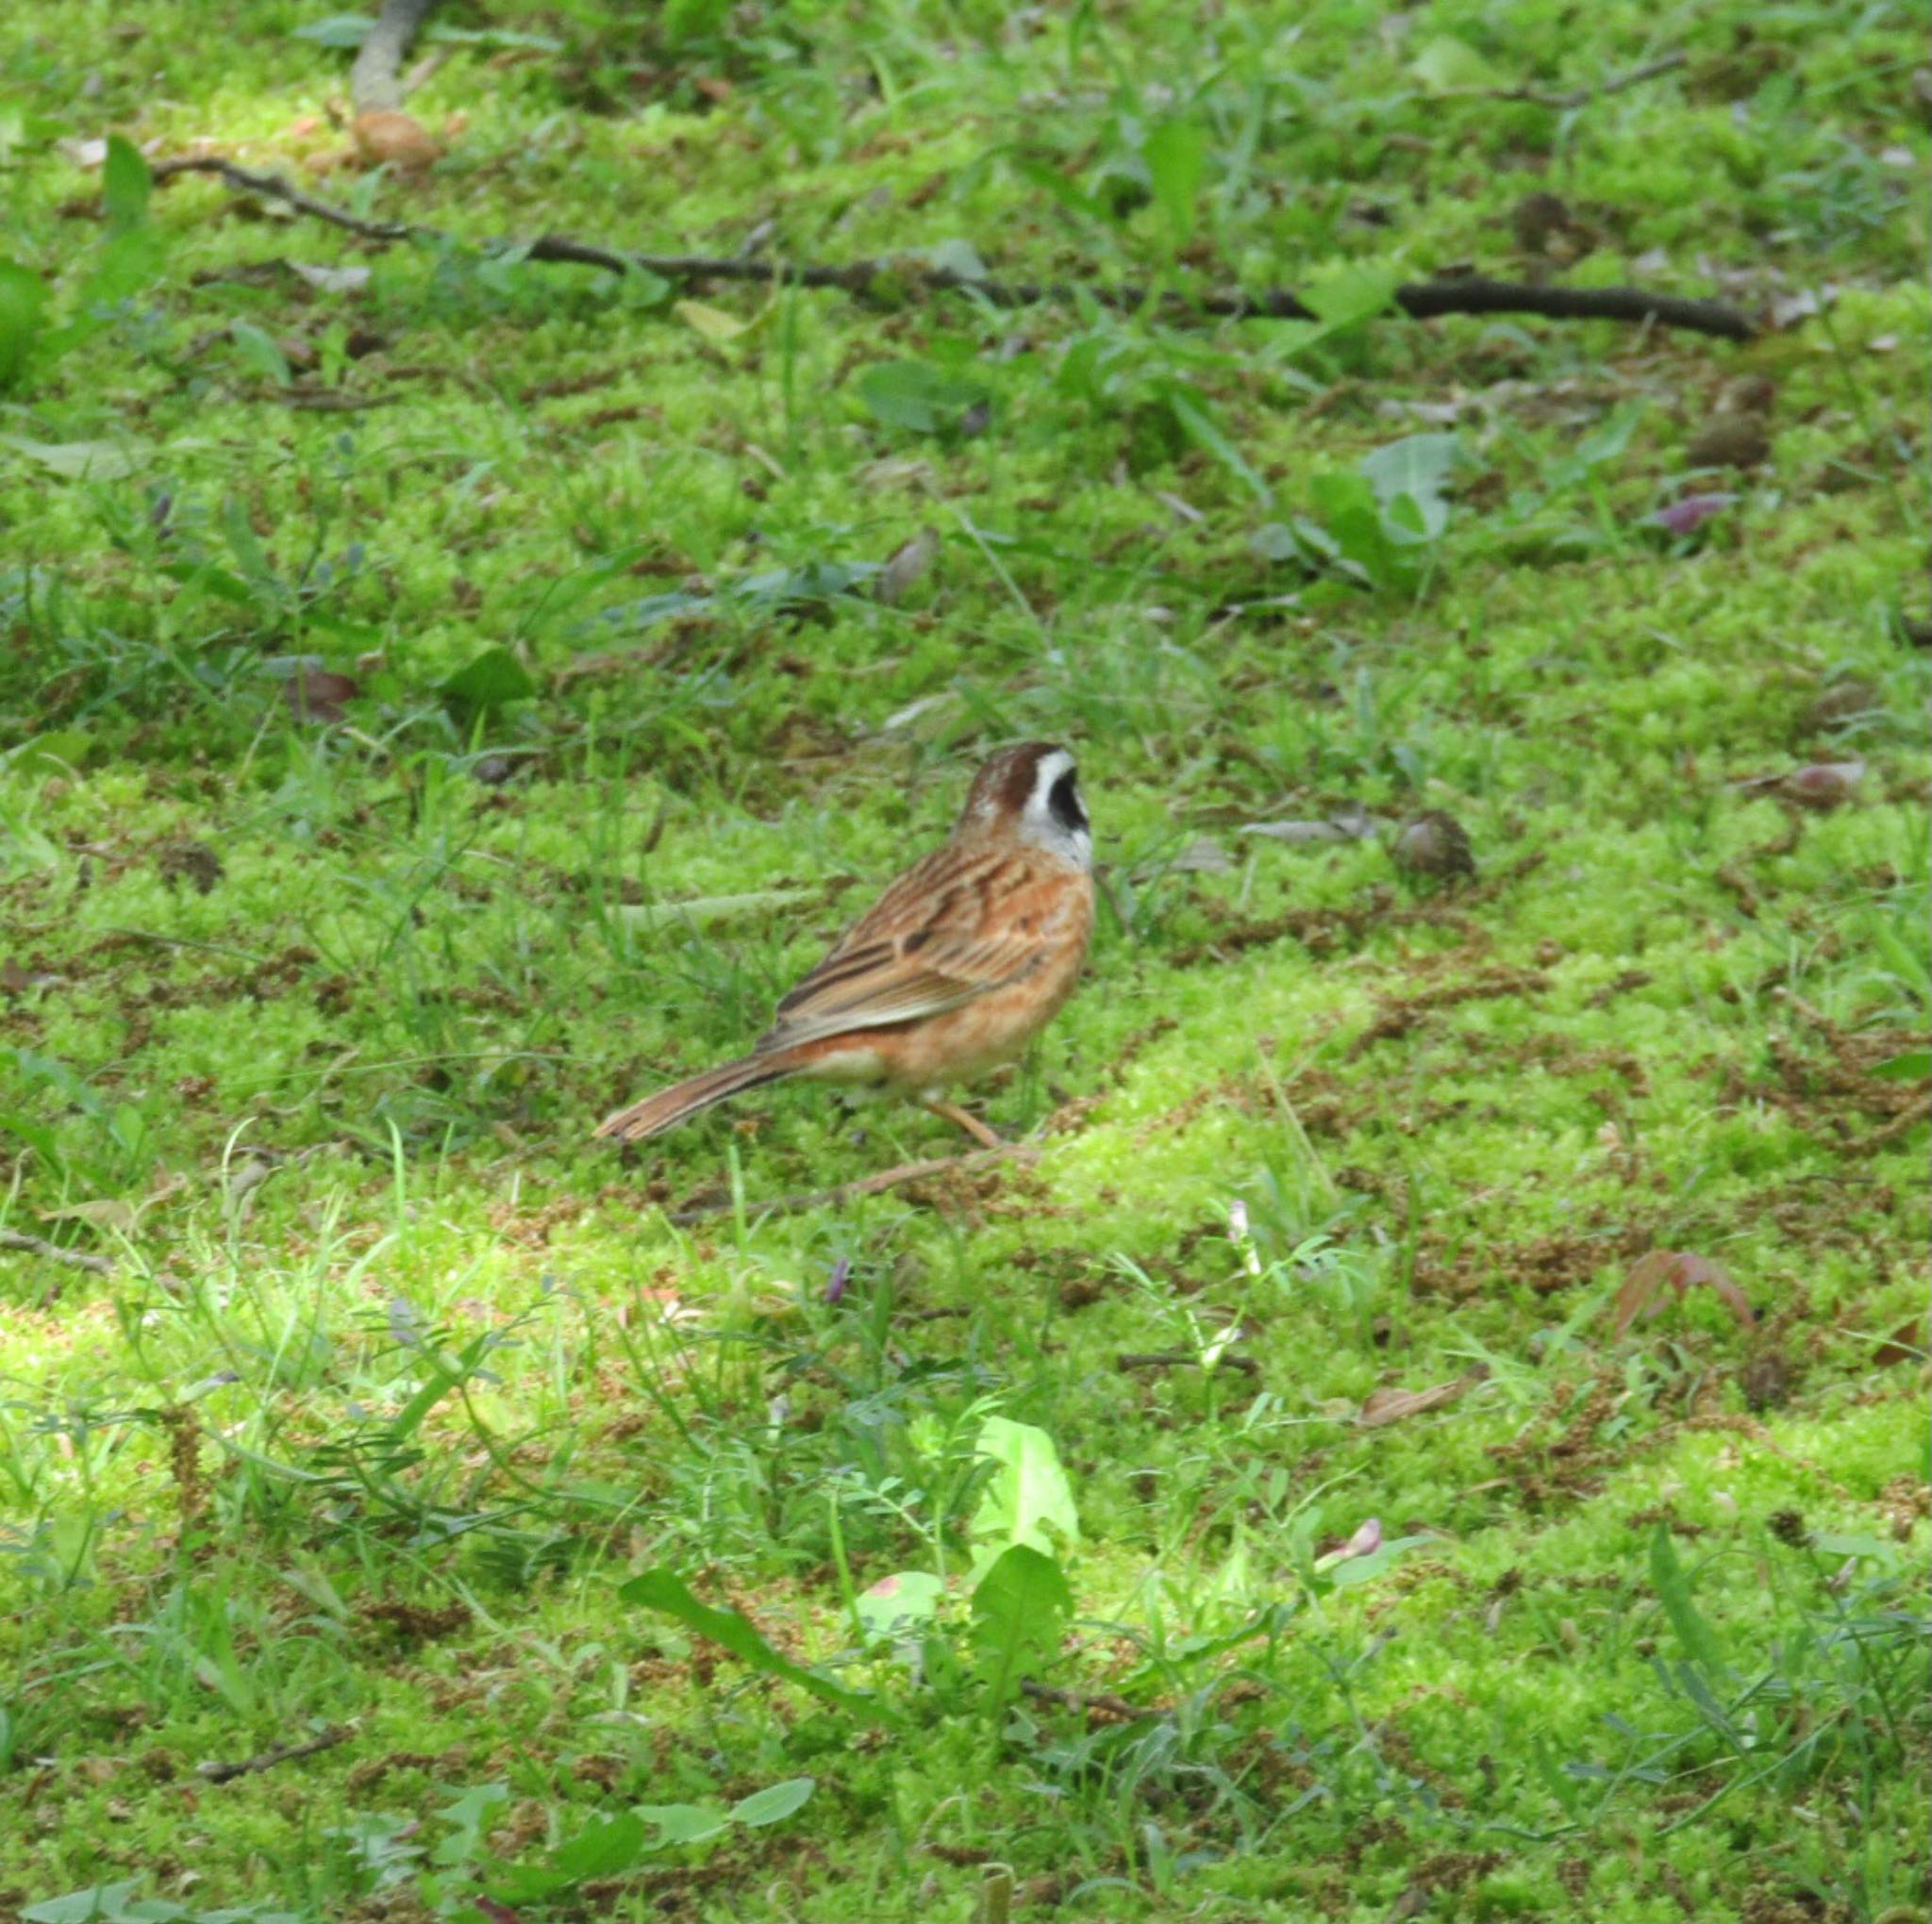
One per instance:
(669,1108)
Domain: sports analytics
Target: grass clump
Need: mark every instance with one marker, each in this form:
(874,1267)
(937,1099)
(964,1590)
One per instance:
(444,694)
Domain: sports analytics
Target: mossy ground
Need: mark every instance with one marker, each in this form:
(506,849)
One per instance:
(309,1018)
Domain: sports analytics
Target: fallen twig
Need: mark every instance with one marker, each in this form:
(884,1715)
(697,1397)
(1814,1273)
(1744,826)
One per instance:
(1581,96)
(40,1246)
(1103,1700)
(1182,1359)
(375,81)
(865,1185)
(275,1753)
(1420,300)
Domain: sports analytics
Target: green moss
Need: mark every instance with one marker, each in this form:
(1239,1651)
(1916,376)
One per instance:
(337,1107)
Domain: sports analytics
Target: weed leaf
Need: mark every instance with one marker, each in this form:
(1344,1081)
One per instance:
(1020,1609)
(1674,1592)
(776,1802)
(663,1590)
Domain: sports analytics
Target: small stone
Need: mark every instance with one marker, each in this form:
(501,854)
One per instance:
(1538,219)
(1435,843)
(1730,440)
(1747,394)
(1840,702)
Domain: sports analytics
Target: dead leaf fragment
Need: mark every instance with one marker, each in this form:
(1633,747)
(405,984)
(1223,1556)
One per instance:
(1679,1271)
(386,137)
(907,568)
(1824,785)
(108,1212)
(1730,440)
(317,694)
(1435,843)
(1389,1405)
(1908,1343)
(331,281)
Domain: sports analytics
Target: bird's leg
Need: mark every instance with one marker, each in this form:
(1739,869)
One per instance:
(963,1119)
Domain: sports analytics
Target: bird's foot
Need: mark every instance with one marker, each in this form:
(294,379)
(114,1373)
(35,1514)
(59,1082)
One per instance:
(964,1118)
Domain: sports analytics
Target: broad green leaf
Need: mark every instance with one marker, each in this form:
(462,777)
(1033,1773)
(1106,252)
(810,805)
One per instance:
(1347,296)
(683,21)
(1176,158)
(1915,1065)
(1674,1592)
(125,185)
(604,1849)
(469,1816)
(1838,1543)
(1052,181)
(1448,65)
(682,1823)
(259,352)
(1352,520)
(897,1605)
(82,1907)
(776,1802)
(714,323)
(244,544)
(492,679)
(443,34)
(342,31)
(954,257)
(127,263)
(917,397)
(58,753)
(663,1590)
(82,460)
(1416,469)
(1365,1570)
(22,311)
(1201,427)
(1020,1612)
(1028,1499)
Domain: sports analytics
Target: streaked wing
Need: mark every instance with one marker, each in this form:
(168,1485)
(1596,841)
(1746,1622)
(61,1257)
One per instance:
(938,937)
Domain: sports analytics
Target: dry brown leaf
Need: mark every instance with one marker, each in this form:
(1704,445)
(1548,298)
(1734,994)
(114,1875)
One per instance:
(317,694)
(907,568)
(387,137)
(1681,1272)
(108,1212)
(1824,785)
(1905,1344)
(1391,1406)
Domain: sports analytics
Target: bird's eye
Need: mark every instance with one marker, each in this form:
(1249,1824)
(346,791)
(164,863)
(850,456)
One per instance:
(1063,804)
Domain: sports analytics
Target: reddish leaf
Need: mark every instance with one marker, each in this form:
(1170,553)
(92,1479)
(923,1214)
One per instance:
(1905,1344)
(1679,1271)
(317,694)
(1824,785)
(1687,515)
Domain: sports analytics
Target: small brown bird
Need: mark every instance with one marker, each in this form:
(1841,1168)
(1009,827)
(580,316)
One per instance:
(956,968)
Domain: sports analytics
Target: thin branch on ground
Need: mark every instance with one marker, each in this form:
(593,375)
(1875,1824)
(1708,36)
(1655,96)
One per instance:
(1183,1359)
(1420,300)
(40,1246)
(275,1753)
(1103,1700)
(1581,96)
(376,80)
(865,1185)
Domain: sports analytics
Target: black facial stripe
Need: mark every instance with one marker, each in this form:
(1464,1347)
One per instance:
(1063,804)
